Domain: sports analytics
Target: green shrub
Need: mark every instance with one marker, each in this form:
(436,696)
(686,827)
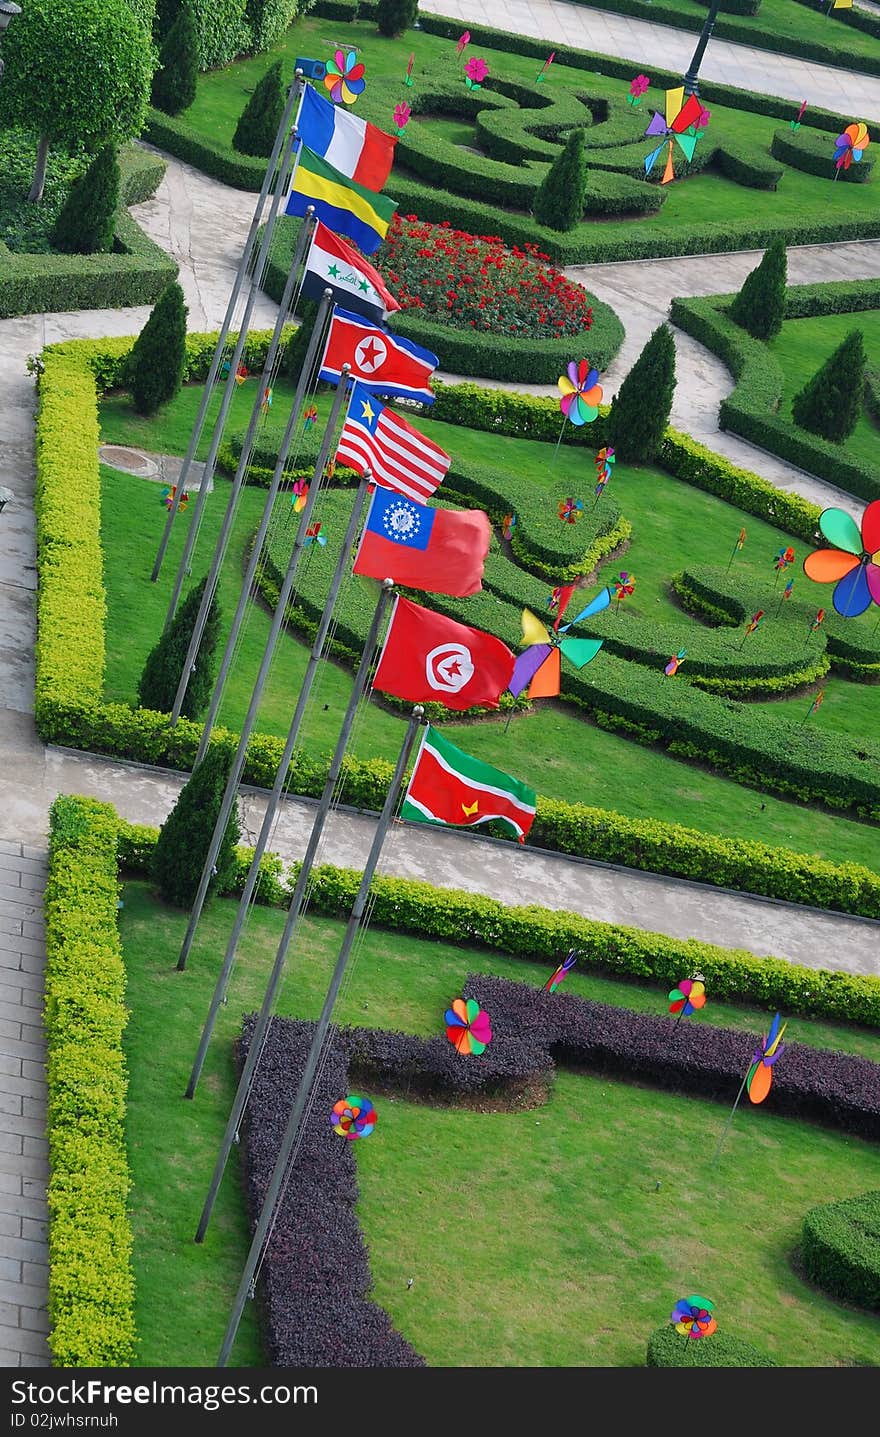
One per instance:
(185,836)
(559,200)
(840,1247)
(267,20)
(760,305)
(640,410)
(259,120)
(667,1349)
(164,664)
(394,17)
(222,30)
(830,403)
(154,372)
(174,83)
(87,220)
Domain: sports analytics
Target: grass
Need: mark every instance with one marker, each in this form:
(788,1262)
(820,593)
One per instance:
(803,346)
(486,1293)
(552,748)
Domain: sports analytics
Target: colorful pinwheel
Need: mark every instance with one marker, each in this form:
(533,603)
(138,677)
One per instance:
(816,623)
(605,460)
(688,997)
(558,601)
(675,663)
(467,1026)
(760,1075)
(815,705)
(637,88)
(310,416)
(754,623)
(266,401)
(624,586)
(561,973)
(680,116)
(783,559)
(581,394)
(299,495)
(241,374)
(736,548)
(850,146)
(692,1317)
(596,605)
(344,78)
(796,123)
(409,68)
(314,535)
(853,564)
(539,666)
(570,510)
(401,116)
(475,72)
(542,73)
(168,498)
(353,1117)
(508,524)
(787,591)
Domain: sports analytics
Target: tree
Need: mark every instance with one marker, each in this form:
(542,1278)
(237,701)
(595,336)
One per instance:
(185,836)
(88,218)
(760,305)
(261,116)
(77,72)
(829,404)
(395,16)
(559,201)
(174,83)
(154,368)
(641,407)
(162,671)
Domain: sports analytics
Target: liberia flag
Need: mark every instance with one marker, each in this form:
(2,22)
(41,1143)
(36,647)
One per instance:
(380,361)
(427,656)
(333,264)
(440,550)
(397,455)
(449,786)
(351,145)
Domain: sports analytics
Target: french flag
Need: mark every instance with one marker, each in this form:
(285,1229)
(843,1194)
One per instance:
(360,151)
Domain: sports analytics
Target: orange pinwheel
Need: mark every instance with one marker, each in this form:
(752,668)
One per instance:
(854,562)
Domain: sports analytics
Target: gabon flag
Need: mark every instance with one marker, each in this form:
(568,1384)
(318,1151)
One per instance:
(449,786)
(429,657)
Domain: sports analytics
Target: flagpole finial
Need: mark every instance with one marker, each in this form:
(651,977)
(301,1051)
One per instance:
(387,585)
(418,712)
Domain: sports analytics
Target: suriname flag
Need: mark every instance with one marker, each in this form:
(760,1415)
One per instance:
(449,786)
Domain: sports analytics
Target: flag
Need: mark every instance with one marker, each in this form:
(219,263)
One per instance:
(399,457)
(427,656)
(449,786)
(381,361)
(351,145)
(346,207)
(439,550)
(333,264)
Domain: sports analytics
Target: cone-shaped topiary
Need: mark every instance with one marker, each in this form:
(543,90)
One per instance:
(829,404)
(154,368)
(185,836)
(395,16)
(559,200)
(87,220)
(261,116)
(174,83)
(760,305)
(641,407)
(161,673)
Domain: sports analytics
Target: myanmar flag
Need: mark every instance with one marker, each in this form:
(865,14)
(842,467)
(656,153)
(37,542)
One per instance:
(449,786)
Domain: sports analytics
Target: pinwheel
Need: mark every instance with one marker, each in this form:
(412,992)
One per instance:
(570,510)
(624,586)
(736,548)
(542,73)
(539,666)
(815,705)
(581,394)
(850,146)
(760,1075)
(688,997)
(680,115)
(241,374)
(266,401)
(785,595)
(310,416)
(692,1317)
(637,88)
(224,369)
(595,606)
(605,460)
(559,600)
(353,1117)
(815,624)
(783,559)
(508,524)
(401,116)
(299,494)
(796,123)
(409,68)
(462,42)
(344,78)
(168,494)
(754,623)
(475,72)
(467,1027)
(853,564)
(674,664)
(561,973)
(313,535)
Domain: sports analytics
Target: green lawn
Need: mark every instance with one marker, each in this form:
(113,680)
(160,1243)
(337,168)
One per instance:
(589,1224)
(802,347)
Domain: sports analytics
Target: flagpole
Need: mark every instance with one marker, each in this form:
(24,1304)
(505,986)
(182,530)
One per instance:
(295,93)
(235,772)
(294,912)
(219,994)
(244,459)
(278,1181)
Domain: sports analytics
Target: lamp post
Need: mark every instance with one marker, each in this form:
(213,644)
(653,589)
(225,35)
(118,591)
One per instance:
(691,78)
(8,11)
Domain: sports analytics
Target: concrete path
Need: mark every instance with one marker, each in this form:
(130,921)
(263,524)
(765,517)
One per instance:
(645,43)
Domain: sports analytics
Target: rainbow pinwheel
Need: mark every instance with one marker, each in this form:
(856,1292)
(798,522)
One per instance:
(581,393)
(344,78)
(508,524)
(687,997)
(266,401)
(168,498)
(760,1075)
(853,564)
(637,88)
(561,973)
(401,116)
(680,115)
(241,374)
(310,416)
(849,146)
(783,559)
(570,510)
(467,1026)
(754,622)
(353,1117)
(605,461)
(314,535)
(675,663)
(539,666)
(816,623)
(299,494)
(475,72)
(624,585)
(787,591)
(692,1317)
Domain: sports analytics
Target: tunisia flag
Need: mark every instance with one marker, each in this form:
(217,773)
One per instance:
(427,656)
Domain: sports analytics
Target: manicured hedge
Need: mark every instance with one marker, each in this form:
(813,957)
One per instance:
(840,1247)
(91,1284)
(806,150)
(722,1349)
(173,134)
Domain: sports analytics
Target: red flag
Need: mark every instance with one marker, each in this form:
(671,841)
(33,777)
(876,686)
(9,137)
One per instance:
(427,656)
(439,550)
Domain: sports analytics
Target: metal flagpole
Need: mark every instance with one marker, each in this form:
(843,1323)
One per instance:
(232,505)
(294,95)
(303,1092)
(293,915)
(219,994)
(237,768)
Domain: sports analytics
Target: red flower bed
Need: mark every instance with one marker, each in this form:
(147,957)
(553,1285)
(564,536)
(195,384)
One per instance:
(475,282)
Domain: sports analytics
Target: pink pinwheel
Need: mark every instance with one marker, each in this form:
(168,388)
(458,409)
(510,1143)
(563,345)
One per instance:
(475,72)
(462,41)
(344,78)
(581,394)
(402,113)
(854,561)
